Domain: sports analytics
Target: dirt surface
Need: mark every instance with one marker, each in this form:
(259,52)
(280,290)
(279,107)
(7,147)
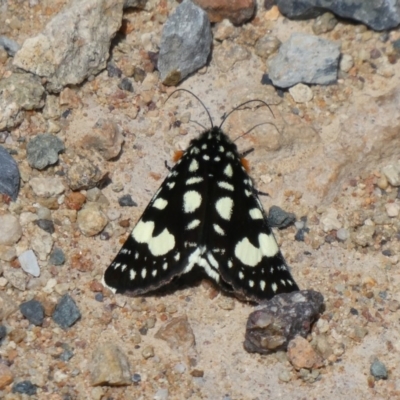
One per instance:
(324,154)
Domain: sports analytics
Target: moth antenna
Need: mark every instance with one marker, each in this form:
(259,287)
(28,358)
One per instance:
(198,99)
(243,104)
(254,127)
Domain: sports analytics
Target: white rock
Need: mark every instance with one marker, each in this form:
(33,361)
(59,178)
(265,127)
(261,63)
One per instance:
(47,187)
(10,230)
(301,93)
(91,220)
(392,209)
(41,243)
(329,220)
(392,173)
(342,234)
(49,288)
(346,62)
(29,263)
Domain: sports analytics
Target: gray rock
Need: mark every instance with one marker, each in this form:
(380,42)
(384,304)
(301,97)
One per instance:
(9,177)
(126,201)
(378,370)
(29,263)
(305,58)
(9,45)
(279,218)
(3,332)
(19,92)
(57,257)
(134,4)
(285,316)
(377,14)
(47,186)
(66,312)
(185,43)
(33,311)
(95,22)
(25,387)
(43,150)
(110,366)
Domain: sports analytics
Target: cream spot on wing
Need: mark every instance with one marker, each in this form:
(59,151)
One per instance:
(247,253)
(262,285)
(144,273)
(221,149)
(230,264)
(195,150)
(206,157)
(160,203)
(274,287)
(123,268)
(170,184)
(165,266)
(154,273)
(204,146)
(255,213)
(191,201)
(194,166)
(218,158)
(226,185)
(195,179)
(218,229)
(177,256)
(247,192)
(162,244)
(251,283)
(224,206)
(193,224)
(268,245)
(228,171)
(132,274)
(241,275)
(143,231)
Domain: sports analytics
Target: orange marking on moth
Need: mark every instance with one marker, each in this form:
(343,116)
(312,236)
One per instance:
(246,164)
(177,156)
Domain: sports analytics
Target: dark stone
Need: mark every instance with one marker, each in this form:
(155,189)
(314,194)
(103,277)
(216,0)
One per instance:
(57,256)
(25,387)
(266,80)
(377,14)
(126,84)
(285,316)
(280,218)
(353,311)
(9,45)
(3,332)
(66,312)
(9,176)
(33,311)
(126,201)
(99,297)
(43,150)
(113,71)
(45,224)
(139,74)
(136,378)
(66,113)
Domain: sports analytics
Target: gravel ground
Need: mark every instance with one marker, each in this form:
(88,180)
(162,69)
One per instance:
(327,159)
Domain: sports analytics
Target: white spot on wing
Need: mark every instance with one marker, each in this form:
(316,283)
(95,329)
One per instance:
(194,166)
(212,260)
(160,203)
(154,273)
(274,287)
(144,273)
(177,256)
(224,207)
(247,192)
(193,224)
(262,285)
(241,275)
(255,213)
(228,171)
(206,157)
(191,201)
(251,283)
(204,146)
(247,253)
(225,185)
(132,274)
(170,184)
(218,158)
(143,231)
(162,244)
(195,150)
(123,268)
(218,229)
(165,266)
(195,179)
(268,245)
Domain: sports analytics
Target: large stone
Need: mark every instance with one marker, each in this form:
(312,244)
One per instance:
(74,45)
(9,176)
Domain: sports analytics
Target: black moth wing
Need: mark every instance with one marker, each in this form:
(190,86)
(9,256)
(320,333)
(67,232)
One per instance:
(240,243)
(159,247)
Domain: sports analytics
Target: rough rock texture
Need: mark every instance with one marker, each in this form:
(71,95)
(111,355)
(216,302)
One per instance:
(305,58)
(185,43)
(378,14)
(109,366)
(74,45)
(283,317)
(43,150)
(9,177)
(18,92)
(238,12)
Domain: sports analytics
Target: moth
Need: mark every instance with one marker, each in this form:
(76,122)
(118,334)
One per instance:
(206,214)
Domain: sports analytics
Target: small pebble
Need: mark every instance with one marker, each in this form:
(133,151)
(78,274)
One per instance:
(57,257)
(113,71)
(9,177)
(91,220)
(284,376)
(136,378)
(25,387)
(392,209)
(161,394)
(126,201)
(342,234)
(3,332)
(6,376)
(43,150)
(378,370)
(301,93)
(392,174)
(29,263)
(66,312)
(66,355)
(126,84)
(45,224)
(279,218)
(148,352)
(33,311)
(10,230)
(99,297)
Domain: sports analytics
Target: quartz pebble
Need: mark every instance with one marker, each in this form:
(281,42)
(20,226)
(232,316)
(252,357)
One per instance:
(301,93)
(392,209)
(29,263)
(10,230)
(392,173)
(109,366)
(91,220)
